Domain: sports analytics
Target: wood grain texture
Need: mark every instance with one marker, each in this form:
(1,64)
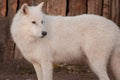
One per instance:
(95,7)
(77,7)
(21,2)
(107,8)
(10,46)
(115,11)
(3,24)
(3,8)
(56,7)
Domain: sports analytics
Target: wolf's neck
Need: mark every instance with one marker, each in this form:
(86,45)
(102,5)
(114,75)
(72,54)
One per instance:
(26,44)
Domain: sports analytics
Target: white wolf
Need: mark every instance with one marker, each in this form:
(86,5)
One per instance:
(44,40)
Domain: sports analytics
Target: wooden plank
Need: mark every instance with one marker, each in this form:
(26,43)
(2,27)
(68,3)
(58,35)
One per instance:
(76,7)
(3,21)
(107,8)
(115,11)
(33,3)
(12,8)
(95,7)
(119,15)
(21,2)
(3,8)
(36,2)
(9,46)
(56,7)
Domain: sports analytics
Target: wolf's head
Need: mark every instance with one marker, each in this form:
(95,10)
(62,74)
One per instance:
(29,21)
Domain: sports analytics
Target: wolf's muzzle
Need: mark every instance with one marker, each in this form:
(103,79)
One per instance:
(44,33)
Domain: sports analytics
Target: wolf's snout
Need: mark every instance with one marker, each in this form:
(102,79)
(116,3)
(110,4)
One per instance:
(44,33)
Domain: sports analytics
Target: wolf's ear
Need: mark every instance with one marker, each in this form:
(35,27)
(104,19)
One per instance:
(24,9)
(40,5)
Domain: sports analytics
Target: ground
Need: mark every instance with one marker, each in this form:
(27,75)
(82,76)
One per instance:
(13,71)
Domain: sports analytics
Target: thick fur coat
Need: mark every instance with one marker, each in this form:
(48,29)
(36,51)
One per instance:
(44,40)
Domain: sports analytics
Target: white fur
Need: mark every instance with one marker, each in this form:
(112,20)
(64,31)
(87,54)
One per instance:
(67,39)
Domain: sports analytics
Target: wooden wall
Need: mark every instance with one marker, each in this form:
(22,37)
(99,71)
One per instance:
(8,8)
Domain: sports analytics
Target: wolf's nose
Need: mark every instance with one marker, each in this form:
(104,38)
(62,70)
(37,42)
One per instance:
(44,33)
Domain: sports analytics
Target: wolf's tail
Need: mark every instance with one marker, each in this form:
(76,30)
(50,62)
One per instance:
(115,62)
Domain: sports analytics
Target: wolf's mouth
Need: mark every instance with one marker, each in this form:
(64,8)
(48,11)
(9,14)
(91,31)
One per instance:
(42,36)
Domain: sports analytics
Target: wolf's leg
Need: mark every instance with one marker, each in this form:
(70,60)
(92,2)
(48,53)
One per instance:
(47,70)
(98,49)
(115,62)
(38,71)
(99,68)
(98,63)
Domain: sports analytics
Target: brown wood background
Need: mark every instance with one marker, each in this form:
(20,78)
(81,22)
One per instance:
(8,50)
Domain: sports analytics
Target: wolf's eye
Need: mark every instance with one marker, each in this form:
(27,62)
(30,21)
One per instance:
(33,22)
(42,21)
